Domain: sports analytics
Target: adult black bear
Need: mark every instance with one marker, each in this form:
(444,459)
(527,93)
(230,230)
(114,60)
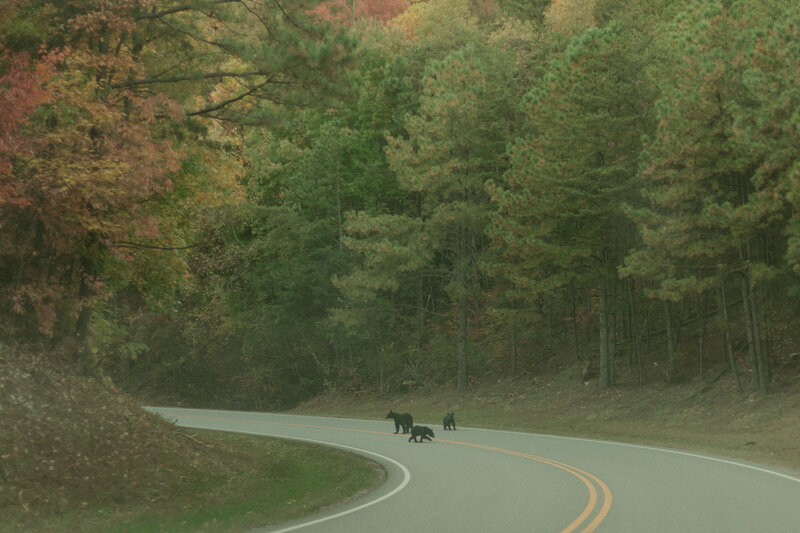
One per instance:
(449,421)
(423,432)
(404,419)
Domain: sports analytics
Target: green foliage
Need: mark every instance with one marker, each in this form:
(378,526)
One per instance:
(423,219)
(288,203)
(720,162)
(560,206)
(524,9)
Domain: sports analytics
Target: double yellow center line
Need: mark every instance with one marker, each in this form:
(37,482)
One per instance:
(592,483)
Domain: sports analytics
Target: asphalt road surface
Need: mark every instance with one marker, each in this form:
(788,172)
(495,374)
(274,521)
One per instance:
(479,480)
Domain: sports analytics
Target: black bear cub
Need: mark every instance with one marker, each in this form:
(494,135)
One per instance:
(404,419)
(423,432)
(449,421)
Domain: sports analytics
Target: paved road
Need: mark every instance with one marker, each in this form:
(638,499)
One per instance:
(477,480)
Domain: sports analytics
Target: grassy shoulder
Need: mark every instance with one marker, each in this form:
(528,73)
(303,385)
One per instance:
(265,481)
(77,455)
(257,482)
(694,415)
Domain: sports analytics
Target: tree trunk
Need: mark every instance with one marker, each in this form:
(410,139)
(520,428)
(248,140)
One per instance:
(421,305)
(635,334)
(672,366)
(612,349)
(575,331)
(726,334)
(420,308)
(85,312)
(760,381)
(514,347)
(381,385)
(766,340)
(703,311)
(764,373)
(587,326)
(604,381)
(339,224)
(462,343)
(550,330)
(461,299)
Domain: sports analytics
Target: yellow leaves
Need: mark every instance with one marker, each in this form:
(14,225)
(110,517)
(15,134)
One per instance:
(105,17)
(570,16)
(424,19)
(220,181)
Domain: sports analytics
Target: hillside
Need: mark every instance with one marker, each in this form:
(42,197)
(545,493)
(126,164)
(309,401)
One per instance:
(76,454)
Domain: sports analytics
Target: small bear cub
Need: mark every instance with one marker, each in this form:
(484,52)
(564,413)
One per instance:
(423,432)
(449,421)
(401,419)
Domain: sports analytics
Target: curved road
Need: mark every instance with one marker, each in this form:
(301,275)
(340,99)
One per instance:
(478,480)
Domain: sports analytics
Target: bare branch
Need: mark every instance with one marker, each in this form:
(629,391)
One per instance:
(127,244)
(178,9)
(229,101)
(207,75)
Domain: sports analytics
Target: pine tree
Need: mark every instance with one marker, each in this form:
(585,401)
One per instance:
(719,167)
(454,147)
(560,209)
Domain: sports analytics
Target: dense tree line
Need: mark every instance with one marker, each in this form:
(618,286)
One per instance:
(243,202)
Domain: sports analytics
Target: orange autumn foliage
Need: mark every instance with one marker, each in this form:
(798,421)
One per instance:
(78,168)
(345,12)
(22,90)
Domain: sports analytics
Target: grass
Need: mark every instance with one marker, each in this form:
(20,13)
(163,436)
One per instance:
(264,481)
(283,481)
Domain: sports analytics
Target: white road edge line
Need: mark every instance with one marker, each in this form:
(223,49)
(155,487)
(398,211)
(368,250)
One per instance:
(655,449)
(401,486)
(609,442)
(612,443)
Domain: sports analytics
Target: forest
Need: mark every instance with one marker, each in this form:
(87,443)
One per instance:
(242,203)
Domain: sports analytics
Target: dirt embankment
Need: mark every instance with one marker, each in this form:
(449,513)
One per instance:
(69,442)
